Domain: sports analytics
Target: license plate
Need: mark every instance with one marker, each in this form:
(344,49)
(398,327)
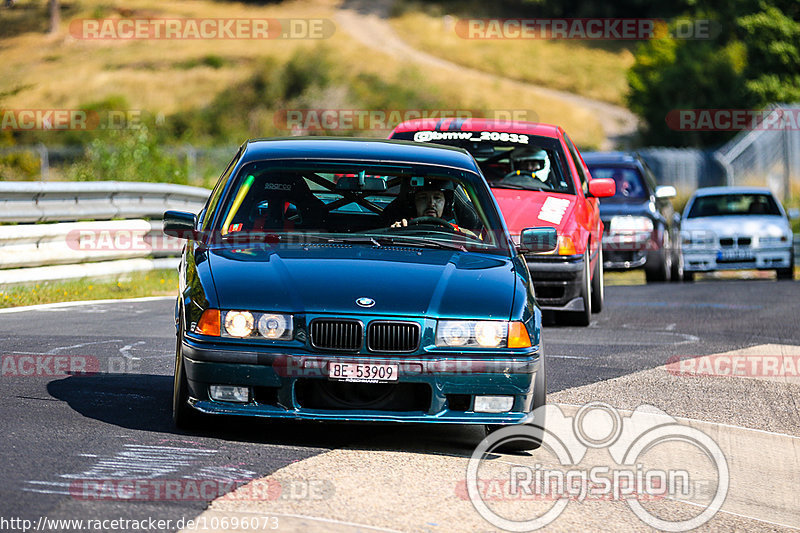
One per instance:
(735,255)
(361,372)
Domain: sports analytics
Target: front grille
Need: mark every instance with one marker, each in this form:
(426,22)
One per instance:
(741,241)
(336,334)
(393,336)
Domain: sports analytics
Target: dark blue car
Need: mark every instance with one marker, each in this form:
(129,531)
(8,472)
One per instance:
(354,280)
(642,229)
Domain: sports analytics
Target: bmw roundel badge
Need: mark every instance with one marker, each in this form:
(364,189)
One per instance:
(365,302)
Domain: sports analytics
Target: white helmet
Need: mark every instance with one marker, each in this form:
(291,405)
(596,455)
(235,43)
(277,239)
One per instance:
(531,160)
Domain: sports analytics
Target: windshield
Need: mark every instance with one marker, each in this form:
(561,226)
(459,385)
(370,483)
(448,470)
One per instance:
(508,160)
(628,180)
(299,202)
(733,204)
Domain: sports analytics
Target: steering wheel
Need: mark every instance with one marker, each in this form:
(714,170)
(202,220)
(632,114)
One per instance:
(536,181)
(433,221)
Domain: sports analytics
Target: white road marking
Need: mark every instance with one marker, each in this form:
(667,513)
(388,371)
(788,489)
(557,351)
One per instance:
(135,462)
(125,350)
(58,306)
(567,356)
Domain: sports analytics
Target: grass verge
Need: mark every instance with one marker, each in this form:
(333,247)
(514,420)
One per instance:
(131,285)
(592,70)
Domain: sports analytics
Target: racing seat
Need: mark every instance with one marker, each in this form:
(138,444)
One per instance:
(286,203)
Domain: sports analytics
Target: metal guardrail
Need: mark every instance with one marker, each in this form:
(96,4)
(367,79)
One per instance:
(70,249)
(94,200)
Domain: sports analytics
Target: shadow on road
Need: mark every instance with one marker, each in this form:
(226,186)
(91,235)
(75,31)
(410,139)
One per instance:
(143,402)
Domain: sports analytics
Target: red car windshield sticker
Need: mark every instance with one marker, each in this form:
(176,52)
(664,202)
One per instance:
(553,209)
(474,136)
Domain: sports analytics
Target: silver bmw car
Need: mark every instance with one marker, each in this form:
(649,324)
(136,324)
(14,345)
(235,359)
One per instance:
(729,228)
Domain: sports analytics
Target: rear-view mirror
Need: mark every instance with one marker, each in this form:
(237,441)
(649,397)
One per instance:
(357,183)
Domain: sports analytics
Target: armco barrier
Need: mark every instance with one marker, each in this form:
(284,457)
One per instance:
(94,200)
(67,248)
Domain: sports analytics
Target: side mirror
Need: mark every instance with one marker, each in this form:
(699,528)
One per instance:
(666,191)
(794,213)
(180,224)
(538,240)
(602,187)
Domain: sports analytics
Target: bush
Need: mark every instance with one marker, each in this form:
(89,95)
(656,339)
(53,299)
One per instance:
(128,155)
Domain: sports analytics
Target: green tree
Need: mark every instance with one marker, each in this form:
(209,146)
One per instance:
(753,62)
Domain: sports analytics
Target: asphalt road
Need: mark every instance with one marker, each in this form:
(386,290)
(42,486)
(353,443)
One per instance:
(60,431)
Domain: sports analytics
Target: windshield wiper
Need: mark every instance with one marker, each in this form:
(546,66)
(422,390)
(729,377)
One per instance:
(354,239)
(420,242)
(531,187)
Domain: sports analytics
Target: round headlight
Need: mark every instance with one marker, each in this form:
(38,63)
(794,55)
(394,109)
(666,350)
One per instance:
(272,326)
(489,334)
(456,334)
(239,323)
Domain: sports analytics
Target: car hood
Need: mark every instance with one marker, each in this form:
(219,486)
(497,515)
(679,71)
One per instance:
(524,209)
(752,225)
(330,278)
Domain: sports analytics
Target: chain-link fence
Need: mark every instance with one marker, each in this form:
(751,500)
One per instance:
(768,155)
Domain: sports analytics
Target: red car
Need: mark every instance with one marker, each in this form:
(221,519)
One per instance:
(538,178)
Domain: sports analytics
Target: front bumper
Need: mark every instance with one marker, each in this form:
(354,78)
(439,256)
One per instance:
(624,251)
(711,259)
(428,389)
(557,281)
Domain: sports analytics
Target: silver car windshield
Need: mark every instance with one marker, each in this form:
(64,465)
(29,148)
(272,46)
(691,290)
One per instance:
(733,204)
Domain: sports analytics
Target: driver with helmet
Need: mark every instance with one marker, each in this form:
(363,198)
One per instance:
(532,162)
(431,199)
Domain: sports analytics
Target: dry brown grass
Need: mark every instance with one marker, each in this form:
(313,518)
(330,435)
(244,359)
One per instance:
(573,66)
(39,71)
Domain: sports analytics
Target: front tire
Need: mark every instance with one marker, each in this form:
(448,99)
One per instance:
(677,266)
(183,415)
(659,263)
(598,284)
(583,318)
(786,273)
(539,403)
